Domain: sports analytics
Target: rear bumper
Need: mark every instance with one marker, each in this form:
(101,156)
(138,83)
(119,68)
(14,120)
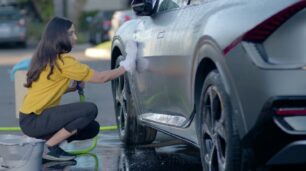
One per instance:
(294,153)
(14,36)
(275,139)
(13,39)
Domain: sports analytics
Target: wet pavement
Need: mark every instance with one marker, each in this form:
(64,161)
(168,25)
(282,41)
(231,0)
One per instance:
(110,155)
(164,154)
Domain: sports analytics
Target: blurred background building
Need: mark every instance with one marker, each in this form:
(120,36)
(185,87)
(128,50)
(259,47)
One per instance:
(93,19)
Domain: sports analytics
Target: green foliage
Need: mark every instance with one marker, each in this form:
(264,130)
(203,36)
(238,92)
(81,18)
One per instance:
(35,30)
(84,24)
(45,8)
(82,37)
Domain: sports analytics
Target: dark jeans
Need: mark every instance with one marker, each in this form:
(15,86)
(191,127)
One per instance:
(76,116)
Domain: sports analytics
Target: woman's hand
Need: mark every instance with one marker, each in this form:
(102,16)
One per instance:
(73,86)
(130,58)
(81,84)
(128,64)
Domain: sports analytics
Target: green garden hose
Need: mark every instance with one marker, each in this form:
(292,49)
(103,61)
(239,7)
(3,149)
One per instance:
(95,139)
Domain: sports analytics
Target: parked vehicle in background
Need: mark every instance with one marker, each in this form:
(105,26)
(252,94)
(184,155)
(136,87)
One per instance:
(12,26)
(225,75)
(99,27)
(120,17)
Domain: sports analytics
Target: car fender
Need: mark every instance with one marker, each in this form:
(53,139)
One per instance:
(125,32)
(208,49)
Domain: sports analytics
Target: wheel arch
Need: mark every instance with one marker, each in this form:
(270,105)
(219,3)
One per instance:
(116,52)
(209,57)
(206,59)
(204,68)
(132,132)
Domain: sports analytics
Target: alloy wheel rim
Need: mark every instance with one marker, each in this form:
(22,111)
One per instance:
(214,135)
(121,104)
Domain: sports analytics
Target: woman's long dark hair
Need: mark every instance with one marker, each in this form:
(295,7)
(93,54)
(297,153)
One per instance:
(54,42)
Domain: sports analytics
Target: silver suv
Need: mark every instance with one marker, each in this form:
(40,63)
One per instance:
(226,76)
(12,26)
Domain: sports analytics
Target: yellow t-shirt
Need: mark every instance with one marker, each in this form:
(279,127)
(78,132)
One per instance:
(46,93)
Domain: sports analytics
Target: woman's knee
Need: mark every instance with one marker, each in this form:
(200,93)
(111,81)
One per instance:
(92,110)
(95,128)
(91,130)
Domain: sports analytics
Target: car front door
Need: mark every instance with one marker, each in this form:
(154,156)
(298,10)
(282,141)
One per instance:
(159,69)
(178,47)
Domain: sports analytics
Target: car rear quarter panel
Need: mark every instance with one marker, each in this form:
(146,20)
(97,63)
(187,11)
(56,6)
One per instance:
(221,24)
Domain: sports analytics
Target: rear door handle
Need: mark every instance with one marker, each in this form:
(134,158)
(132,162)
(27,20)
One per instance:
(161,35)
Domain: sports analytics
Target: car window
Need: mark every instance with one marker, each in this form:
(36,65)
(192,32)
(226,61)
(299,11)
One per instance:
(166,5)
(7,16)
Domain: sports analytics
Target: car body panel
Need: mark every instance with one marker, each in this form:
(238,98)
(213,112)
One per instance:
(273,83)
(175,42)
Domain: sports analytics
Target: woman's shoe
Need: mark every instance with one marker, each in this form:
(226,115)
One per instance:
(55,153)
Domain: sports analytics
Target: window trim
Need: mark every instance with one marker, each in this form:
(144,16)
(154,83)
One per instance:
(173,9)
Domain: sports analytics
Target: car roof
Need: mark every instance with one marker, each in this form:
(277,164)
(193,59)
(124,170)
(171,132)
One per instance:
(9,14)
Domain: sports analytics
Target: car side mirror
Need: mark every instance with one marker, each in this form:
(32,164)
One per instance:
(143,7)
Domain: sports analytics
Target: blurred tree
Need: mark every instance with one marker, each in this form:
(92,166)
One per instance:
(71,9)
(59,7)
(75,10)
(44,8)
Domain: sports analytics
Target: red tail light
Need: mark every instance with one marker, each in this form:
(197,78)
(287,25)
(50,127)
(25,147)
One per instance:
(262,31)
(290,111)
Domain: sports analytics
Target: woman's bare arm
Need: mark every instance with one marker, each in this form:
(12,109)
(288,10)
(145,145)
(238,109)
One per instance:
(105,76)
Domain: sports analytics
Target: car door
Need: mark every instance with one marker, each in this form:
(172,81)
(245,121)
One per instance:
(178,48)
(151,83)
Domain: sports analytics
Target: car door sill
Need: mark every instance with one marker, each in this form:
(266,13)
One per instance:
(170,120)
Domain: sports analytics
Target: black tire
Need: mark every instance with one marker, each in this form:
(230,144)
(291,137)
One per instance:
(219,140)
(130,131)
